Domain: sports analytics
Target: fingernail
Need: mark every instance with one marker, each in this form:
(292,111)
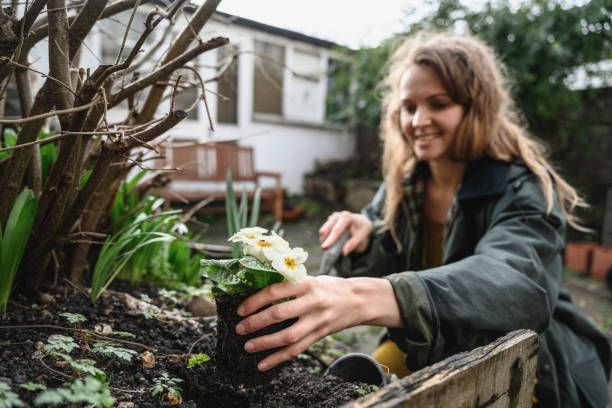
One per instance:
(263,366)
(240,328)
(240,310)
(248,346)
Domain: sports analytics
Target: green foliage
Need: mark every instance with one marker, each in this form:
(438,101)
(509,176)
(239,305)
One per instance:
(109,350)
(8,399)
(165,384)
(13,241)
(93,390)
(80,366)
(198,359)
(58,342)
(74,318)
(236,276)
(30,386)
(237,215)
(135,244)
(126,206)
(124,334)
(48,154)
(148,310)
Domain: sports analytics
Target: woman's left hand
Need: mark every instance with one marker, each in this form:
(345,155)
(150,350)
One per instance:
(322,304)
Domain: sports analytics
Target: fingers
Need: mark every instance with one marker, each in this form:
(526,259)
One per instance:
(273,314)
(268,295)
(327,226)
(291,350)
(343,221)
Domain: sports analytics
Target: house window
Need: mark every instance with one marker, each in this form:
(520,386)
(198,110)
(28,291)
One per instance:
(227,85)
(268,78)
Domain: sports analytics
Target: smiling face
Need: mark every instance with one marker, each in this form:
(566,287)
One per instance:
(429,118)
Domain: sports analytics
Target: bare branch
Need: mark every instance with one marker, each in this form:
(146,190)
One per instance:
(68,88)
(127,30)
(83,23)
(165,70)
(47,115)
(200,18)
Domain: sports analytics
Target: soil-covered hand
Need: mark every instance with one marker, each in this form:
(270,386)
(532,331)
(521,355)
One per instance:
(323,305)
(359,228)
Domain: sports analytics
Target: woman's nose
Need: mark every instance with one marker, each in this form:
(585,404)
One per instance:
(421,118)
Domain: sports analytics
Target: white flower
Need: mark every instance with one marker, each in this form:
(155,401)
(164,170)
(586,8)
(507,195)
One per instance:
(266,246)
(179,228)
(248,235)
(290,264)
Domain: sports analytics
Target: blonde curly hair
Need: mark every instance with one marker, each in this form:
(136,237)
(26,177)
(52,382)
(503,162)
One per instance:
(473,77)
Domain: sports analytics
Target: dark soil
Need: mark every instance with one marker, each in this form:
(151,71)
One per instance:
(235,364)
(23,360)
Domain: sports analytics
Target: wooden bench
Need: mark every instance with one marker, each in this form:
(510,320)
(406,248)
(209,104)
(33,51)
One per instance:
(202,174)
(500,374)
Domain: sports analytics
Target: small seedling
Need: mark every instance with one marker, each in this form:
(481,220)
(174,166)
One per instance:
(169,294)
(80,366)
(166,385)
(74,318)
(148,310)
(108,350)
(198,359)
(57,343)
(8,398)
(30,386)
(94,391)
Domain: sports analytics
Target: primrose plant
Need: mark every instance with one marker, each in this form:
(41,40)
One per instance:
(263,260)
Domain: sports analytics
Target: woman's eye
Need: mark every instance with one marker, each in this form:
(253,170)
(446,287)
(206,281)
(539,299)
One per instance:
(439,105)
(410,109)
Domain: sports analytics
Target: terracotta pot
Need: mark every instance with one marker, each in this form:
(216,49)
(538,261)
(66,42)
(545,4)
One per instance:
(578,256)
(602,261)
(234,364)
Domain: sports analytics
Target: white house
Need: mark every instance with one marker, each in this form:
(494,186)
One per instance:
(276,91)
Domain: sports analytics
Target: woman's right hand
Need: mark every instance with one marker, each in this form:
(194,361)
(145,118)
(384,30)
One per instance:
(359,226)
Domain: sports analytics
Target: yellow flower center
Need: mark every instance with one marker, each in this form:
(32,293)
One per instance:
(290,262)
(251,236)
(263,243)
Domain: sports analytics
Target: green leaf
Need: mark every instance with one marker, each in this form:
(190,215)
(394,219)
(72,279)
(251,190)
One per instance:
(108,350)
(255,209)
(250,262)
(243,211)
(221,271)
(57,342)
(16,234)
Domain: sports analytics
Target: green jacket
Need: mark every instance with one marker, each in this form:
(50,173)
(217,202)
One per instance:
(501,272)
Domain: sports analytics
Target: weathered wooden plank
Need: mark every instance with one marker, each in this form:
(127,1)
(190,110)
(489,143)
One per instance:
(500,374)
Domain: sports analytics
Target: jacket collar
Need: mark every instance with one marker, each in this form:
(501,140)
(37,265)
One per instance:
(484,177)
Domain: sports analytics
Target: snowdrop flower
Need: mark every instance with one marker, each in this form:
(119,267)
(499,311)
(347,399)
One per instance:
(248,235)
(290,264)
(179,228)
(266,246)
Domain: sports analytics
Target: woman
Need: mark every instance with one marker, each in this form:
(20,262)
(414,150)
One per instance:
(470,202)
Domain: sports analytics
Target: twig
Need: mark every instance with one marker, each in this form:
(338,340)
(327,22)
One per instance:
(10,61)
(86,235)
(52,370)
(127,31)
(173,95)
(202,96)
(195,208)
(80,331)
(46,115)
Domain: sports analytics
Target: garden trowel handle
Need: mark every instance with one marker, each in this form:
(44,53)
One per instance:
(331,254)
